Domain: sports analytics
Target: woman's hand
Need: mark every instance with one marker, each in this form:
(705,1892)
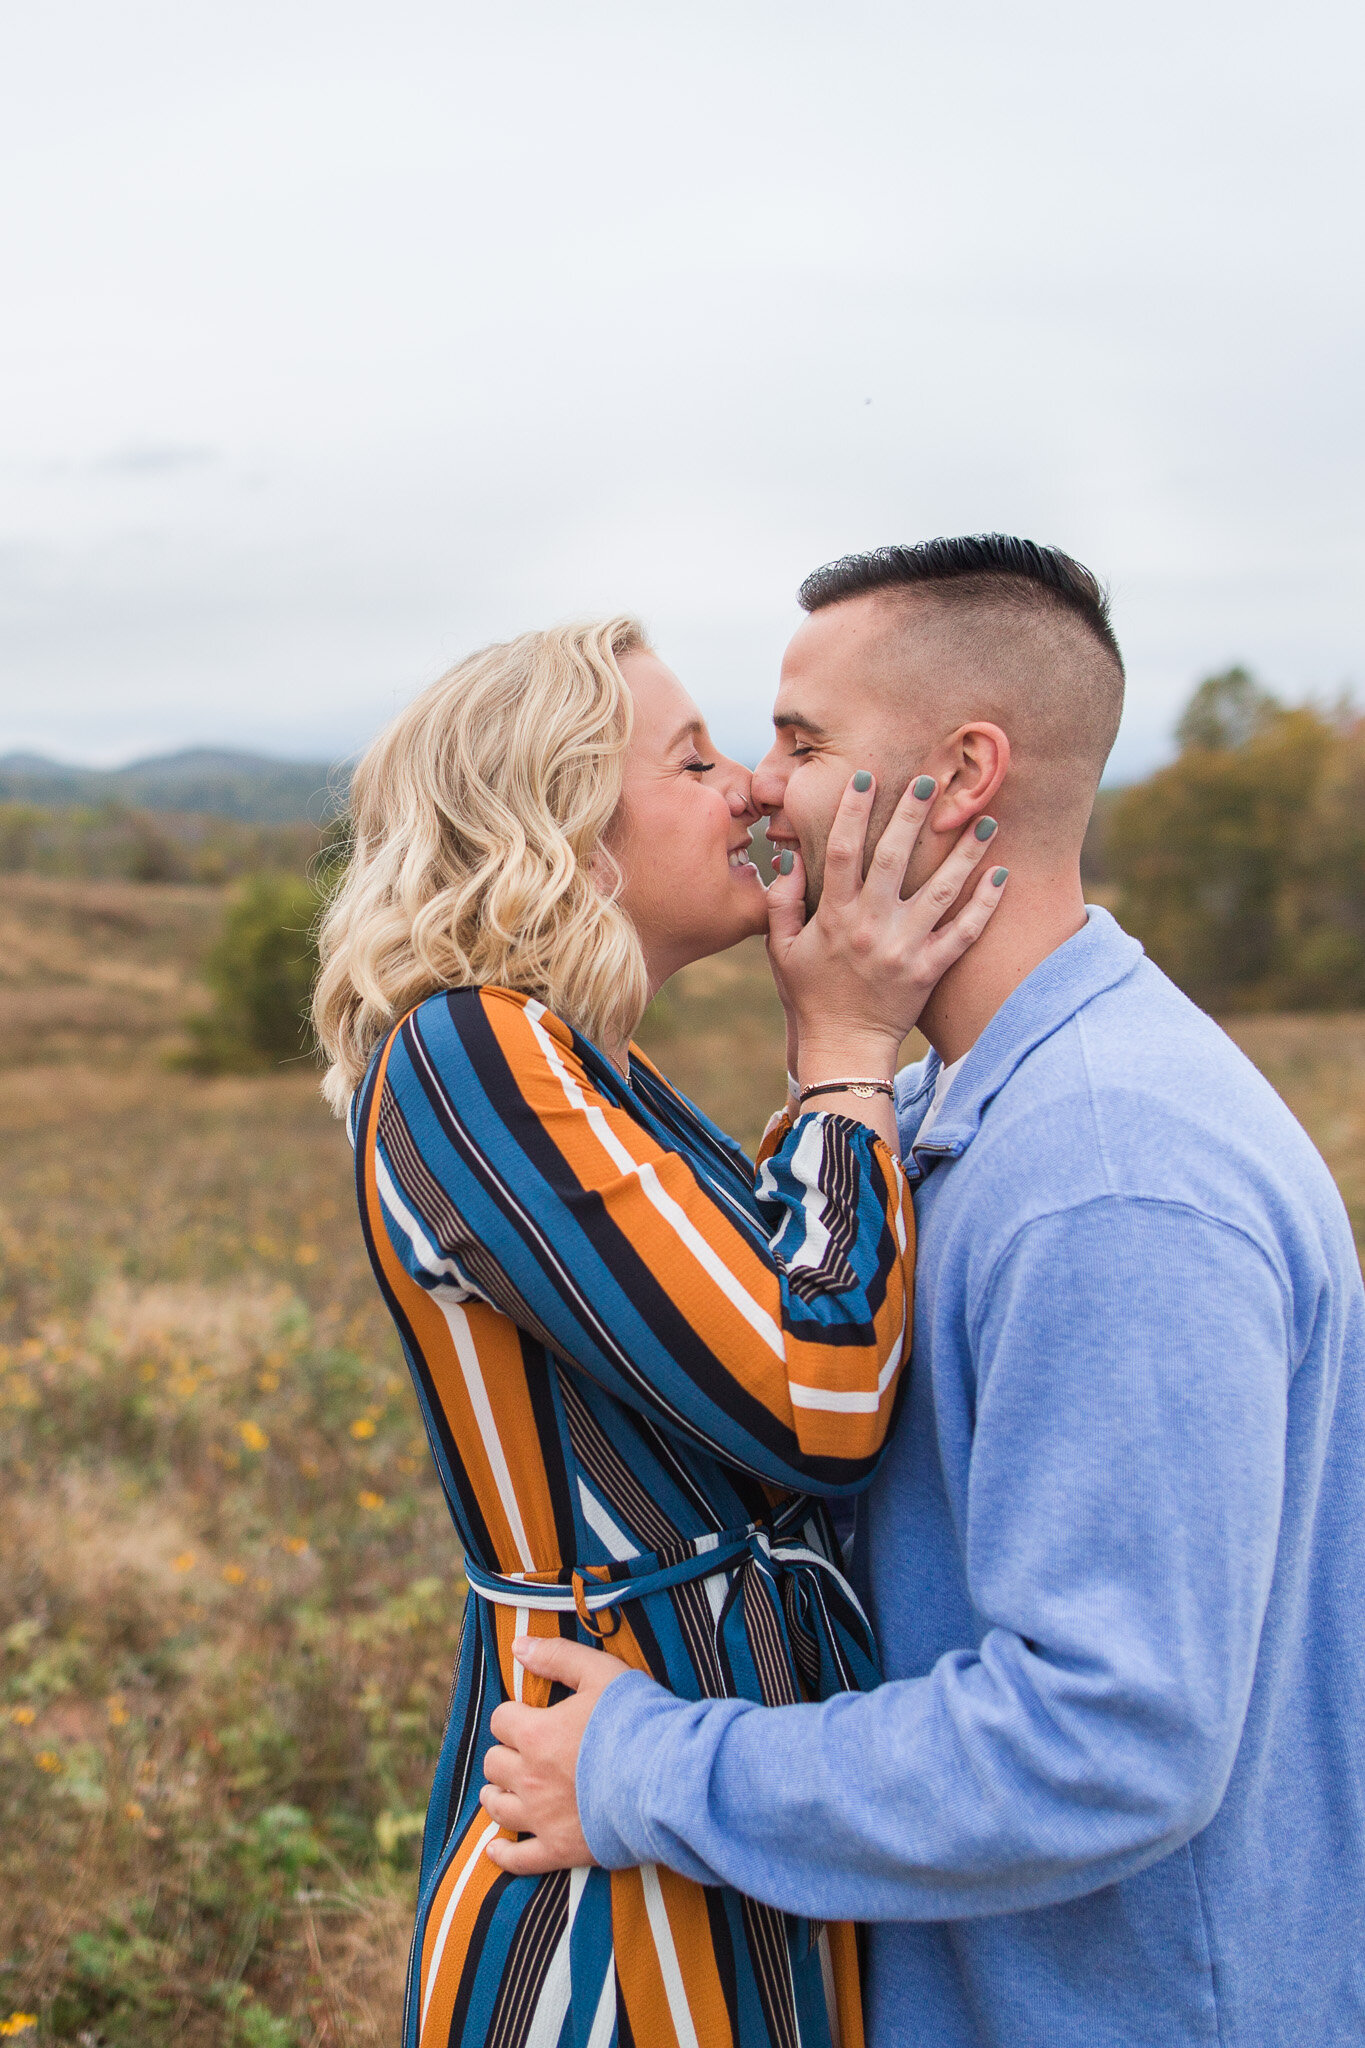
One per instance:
(854,977)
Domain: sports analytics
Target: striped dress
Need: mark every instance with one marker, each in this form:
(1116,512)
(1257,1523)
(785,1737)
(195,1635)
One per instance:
(641,1362)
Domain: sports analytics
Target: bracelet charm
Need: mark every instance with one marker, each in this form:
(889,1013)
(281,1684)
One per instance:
(859,1085)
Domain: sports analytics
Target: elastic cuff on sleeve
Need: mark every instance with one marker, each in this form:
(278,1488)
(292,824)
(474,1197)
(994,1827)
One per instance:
(609,1803)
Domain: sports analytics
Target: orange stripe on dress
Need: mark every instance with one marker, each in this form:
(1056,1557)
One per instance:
(848,1995)
(640,1972)
(451,1919)
(690,1924)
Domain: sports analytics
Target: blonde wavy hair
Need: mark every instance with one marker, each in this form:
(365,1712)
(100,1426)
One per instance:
(474,817)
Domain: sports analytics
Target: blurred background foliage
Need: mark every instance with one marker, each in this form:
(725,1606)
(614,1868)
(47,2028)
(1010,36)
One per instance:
(115,842)
(1241,864)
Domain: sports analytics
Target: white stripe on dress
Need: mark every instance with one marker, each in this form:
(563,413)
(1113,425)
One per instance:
(424,1250)
(804,1165)
(674,1988)
(552,2006)
(614,1540)
(521,1623)
(604,2019)
(467,1353)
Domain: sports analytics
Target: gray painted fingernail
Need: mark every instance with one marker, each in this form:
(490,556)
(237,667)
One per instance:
(862,781)
(924,788)
(1000,877)
(985,828)
(784,862)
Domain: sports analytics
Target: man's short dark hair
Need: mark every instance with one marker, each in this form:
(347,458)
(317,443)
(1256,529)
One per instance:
(997,567)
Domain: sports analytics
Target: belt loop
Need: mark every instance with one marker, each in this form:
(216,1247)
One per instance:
(586,1616)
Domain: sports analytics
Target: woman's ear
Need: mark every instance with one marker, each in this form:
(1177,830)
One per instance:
(974,762)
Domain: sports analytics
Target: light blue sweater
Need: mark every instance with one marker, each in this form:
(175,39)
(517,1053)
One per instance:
(1113,1791)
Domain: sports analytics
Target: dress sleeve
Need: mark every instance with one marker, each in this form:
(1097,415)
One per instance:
(506,1176)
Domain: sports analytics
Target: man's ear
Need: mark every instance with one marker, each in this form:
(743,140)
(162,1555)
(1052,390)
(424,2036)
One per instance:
(970,765)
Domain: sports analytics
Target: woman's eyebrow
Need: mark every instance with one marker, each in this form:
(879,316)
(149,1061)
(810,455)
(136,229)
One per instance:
(684,732)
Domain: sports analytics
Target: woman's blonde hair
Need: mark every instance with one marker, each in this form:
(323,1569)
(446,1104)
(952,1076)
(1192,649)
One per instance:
(474,817)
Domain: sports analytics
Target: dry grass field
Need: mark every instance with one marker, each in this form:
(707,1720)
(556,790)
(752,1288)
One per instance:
(228,1591)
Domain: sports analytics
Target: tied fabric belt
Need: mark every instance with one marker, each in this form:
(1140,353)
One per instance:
(768,1546)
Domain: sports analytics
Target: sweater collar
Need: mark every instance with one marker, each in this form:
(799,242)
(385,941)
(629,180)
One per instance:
(1100,955)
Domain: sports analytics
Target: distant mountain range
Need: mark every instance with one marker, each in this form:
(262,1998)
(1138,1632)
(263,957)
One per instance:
(253,787)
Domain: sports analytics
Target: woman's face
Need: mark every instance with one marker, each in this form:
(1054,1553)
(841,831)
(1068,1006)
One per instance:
(681,835)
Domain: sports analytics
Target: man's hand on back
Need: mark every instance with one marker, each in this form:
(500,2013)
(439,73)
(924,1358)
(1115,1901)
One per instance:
(530,1788)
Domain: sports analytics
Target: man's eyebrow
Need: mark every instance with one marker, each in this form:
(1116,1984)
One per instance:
(792,721)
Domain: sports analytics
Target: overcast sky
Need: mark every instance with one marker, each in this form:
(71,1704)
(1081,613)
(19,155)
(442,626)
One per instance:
(339,339)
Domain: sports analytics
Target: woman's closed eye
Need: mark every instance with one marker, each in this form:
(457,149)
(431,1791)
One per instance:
(698,767)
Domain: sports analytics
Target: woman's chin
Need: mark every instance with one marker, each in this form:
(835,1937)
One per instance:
(741,914)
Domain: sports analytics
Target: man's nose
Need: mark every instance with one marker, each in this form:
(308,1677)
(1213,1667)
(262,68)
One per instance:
(769,785)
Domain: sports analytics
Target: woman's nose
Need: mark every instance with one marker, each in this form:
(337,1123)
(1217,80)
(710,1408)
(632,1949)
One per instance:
(741,795)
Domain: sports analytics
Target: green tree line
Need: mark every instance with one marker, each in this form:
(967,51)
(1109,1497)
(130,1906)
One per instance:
(1241,865)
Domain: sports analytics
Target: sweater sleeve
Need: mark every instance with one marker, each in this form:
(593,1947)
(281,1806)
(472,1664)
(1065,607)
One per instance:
(1125,1489)
(506,1176)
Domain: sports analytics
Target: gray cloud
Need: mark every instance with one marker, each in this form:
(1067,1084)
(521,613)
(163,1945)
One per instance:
(151,458)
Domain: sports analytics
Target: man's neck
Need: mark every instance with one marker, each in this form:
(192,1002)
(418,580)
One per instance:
(1037,914)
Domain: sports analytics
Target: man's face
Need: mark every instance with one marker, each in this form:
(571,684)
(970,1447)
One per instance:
(836,712)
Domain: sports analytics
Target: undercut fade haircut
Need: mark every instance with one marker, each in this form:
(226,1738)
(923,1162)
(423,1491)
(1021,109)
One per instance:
(995,566)
(1024,638)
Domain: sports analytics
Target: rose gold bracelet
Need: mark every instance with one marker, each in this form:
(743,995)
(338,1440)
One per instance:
(855,1087)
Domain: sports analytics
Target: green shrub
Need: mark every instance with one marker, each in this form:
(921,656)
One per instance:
(260,975)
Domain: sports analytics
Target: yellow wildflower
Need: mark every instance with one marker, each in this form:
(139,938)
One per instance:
(363,1426)
(295,1545)
(48,1760)
(370,1501)
(253,1436)
(23,1717)
(116,1709)
(19,2023)
(183,1563)
(133,1809)
(234,1574)
(267,1381)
